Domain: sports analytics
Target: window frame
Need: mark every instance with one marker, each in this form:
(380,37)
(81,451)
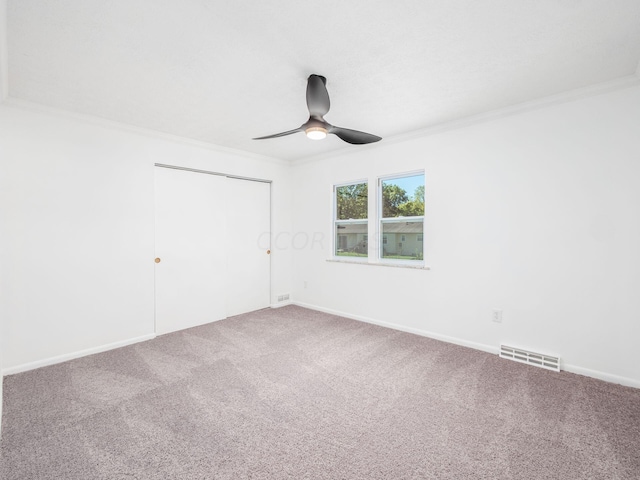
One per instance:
(373,235)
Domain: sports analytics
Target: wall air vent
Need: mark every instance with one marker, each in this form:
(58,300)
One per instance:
(531,358)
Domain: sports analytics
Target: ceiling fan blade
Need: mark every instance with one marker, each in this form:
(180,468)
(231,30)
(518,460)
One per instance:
(317,96)
(282,134)
(354,136)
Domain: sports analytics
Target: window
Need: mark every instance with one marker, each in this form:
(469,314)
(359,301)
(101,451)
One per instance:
(401,207)
(398,220)
(351,224)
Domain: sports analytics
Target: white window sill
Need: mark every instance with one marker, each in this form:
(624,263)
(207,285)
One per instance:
(416,266)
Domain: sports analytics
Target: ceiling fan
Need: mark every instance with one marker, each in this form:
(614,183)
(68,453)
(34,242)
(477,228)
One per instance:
(317,127)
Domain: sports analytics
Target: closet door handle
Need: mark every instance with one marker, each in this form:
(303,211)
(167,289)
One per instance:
(268,252)
(157,260)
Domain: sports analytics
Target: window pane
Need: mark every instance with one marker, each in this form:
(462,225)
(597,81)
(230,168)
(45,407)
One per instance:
(352,201)
(351,239)
(402,240)
(403,197)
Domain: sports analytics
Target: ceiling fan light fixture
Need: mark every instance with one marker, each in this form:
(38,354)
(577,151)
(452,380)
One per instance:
(316,133)
(317,127)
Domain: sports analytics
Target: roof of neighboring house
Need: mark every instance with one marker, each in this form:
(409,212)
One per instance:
(402,227)
(353,228)
(395,227)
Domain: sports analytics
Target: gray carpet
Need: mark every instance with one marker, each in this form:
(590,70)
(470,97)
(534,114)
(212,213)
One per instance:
(293,393)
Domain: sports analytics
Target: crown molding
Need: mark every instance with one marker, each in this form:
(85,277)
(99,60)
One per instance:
(549,101)
(25,105)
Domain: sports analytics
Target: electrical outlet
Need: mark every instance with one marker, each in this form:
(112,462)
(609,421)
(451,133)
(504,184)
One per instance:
(496,315)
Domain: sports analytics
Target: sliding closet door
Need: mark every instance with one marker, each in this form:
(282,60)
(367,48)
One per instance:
(191,248)
(248,246)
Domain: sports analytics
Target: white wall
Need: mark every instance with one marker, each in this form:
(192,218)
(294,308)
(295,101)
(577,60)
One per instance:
(536,213)
(76,211)
(4,87)
(4,52)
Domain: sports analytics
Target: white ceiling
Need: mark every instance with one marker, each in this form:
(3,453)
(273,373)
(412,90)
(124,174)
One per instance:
(226,71)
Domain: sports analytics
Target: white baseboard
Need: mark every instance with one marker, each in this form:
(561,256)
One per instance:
(607,377)
(70,356)
(281,304)
(402,328)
